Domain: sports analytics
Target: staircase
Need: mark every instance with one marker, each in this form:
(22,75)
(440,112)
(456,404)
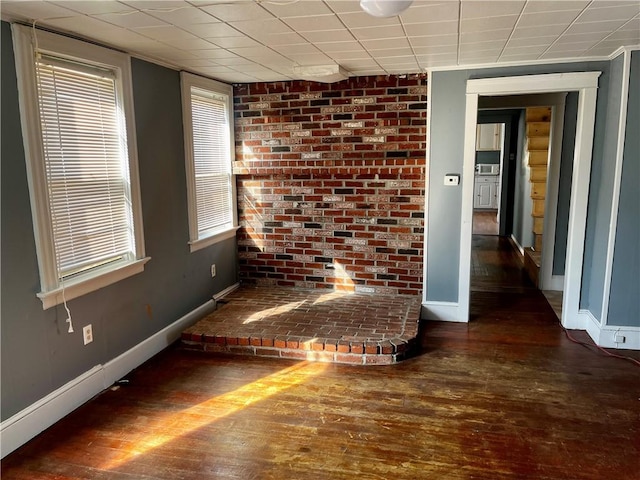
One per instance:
(538,121)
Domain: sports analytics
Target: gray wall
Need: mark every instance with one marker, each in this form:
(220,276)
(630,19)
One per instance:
(523,204)
(564,183)
(624,303)
(444,204)
(38,355)
(601,190)
(446,155)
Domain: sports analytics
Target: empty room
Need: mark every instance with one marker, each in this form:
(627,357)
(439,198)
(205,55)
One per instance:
(267,239)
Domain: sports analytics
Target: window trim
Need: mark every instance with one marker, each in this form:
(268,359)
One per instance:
(51,288)
(187,81)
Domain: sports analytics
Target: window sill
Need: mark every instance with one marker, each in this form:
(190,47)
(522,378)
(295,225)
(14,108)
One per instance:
(80,287)
(201,243)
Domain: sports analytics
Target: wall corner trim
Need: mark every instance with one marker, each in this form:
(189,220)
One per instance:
(604,335)
(443,311)
(37,417)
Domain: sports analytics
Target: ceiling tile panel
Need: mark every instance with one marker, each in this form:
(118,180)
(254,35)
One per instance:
(298,9)
(485,24)
(547,18)
(314,23)
(372,33)
(542,6)
(609,12)
(89,7)
(36,10)
(238,11)
(422,12)
(430,29)
(131,20)
(490,9)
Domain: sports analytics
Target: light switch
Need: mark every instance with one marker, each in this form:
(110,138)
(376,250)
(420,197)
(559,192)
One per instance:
(452,179)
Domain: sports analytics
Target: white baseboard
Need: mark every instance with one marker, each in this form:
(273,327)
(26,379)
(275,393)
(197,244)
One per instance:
(28,423)
(605,336)
(226,291)
(443,311)
(517,244)
(555,283)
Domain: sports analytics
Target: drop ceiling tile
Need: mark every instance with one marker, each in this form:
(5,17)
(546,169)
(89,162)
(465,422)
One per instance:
(343,6)
(165,33)
(310,58)
(281,39)
(485,24)
(197,62)
(594,27)
(213,30)
(477,60)
(547,6)
(168,53)
(238,12)
(328,36)
(258,53)
(609,13)
(298,9)
(332,47)
(633,24)
(35,10)
(563,47)
(563,54)
(582,37)
(532,49)
(300,48)
(356,64)
(489,36)
(234,62)
(340,56)
(372,33)
(259,28)
(539,31)
(386,43)
(184,16)
(234,42)
(155,4)
(391,52)
(361,19)
(131,20)
(490,9)
(548,18)
(403,69)
(518,57)
(215,54)
(314,23)
(89,7)
(436,50)
(531,41)
(428,59)
(435,12)
(437,28)
(86,26)
(434,40)
(629,37)
(395,60)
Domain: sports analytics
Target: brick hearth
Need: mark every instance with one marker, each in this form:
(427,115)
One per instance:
(320,325)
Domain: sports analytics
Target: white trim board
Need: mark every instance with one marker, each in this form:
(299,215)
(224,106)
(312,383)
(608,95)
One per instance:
(586,83)
(29,422)
(442,311)
(617,182)
(605,335)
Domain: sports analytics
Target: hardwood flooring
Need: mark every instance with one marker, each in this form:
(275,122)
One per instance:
(506,396)
(485,222)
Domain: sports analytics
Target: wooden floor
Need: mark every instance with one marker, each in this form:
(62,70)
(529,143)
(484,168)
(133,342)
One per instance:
(485,222)
(506,396)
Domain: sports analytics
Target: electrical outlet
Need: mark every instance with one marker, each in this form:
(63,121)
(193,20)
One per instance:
(87,334)
(213,270)
(619,338)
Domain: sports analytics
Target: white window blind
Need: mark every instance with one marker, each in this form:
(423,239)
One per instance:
(86,166)
(212,162)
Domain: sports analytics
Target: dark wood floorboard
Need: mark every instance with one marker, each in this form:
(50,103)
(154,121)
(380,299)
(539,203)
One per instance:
(506,396)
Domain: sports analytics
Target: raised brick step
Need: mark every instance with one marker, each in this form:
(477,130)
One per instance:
(316,325)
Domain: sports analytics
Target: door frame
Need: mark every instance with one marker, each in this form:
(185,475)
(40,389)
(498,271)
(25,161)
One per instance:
(586,84)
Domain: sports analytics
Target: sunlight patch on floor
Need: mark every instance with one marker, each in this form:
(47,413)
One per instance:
(172,426)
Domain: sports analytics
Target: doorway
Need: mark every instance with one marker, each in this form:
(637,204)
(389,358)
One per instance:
(585,83)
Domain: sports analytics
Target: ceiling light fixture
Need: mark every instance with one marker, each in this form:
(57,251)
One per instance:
(321,73)
(385,8)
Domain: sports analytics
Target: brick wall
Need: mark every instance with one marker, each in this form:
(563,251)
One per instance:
(331,183)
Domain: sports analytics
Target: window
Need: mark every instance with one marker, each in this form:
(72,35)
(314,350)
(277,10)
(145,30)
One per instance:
(208,132)
(78,129)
